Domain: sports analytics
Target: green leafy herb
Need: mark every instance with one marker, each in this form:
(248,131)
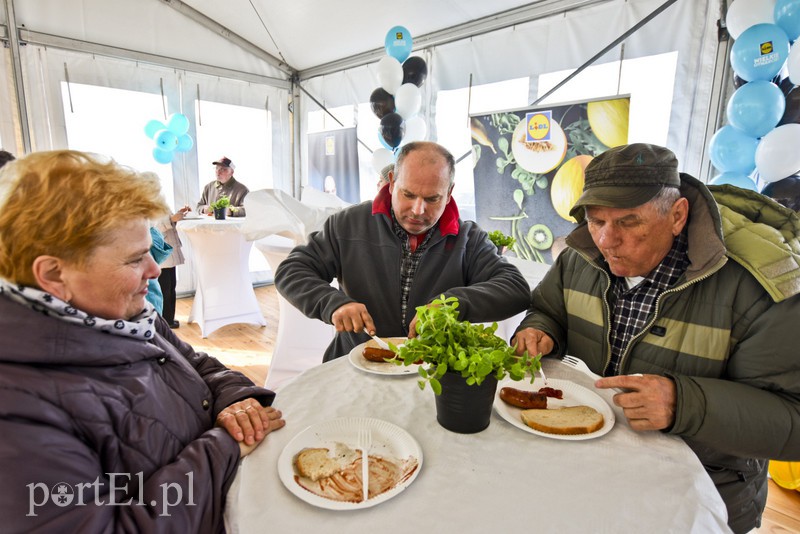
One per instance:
(446,344)
(221,202)
(501,240)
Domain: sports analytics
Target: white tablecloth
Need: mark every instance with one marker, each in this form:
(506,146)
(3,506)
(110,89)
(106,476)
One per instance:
(502,479)
(224,293)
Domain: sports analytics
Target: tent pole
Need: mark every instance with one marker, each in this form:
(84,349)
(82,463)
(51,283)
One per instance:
(16,69)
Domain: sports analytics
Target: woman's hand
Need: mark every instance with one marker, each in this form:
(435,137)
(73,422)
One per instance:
(249,423)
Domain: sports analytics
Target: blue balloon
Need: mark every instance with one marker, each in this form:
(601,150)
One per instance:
(731,150)
(166,140)
(163,156)
(734,178)
(185,143)
(178,124)
(398,43)
(787,16)
(760,52)
(756,108)
(152,127)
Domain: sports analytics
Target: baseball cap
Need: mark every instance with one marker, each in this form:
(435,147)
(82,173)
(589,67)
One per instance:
(627,176)
(225,162)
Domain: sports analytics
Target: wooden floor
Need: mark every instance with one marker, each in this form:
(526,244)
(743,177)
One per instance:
(248,349)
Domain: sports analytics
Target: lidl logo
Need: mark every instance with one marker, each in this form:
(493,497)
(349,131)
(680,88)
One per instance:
(330,145)
(766,48)
(538,126)
(398,35)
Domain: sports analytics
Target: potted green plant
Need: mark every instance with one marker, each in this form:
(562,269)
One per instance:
(220,207)
(502,241)
(462,362)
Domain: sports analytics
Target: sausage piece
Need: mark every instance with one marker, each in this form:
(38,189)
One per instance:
(523,399)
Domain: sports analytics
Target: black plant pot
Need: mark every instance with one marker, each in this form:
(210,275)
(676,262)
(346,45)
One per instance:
(462,408)
(219,213)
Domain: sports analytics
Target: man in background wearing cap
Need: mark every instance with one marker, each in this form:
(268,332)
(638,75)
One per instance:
(224,186)
(695,326)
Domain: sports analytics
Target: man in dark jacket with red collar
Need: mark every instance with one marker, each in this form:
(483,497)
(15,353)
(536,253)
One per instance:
(398,252)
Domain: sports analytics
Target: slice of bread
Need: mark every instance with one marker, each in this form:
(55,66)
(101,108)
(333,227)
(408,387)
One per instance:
(570,420)
(316,464)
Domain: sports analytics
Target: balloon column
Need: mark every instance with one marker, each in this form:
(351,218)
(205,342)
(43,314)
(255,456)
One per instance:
(170,138)
(398,99)
(763,130)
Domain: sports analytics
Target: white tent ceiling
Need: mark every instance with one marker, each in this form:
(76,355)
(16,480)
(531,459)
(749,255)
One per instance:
(302,34)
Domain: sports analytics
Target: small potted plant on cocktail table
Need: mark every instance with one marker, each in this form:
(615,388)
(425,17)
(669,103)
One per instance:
(220,207)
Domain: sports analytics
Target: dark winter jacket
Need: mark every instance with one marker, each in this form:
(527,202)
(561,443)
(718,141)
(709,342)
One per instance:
(102,433)
(723,333)
(358,247)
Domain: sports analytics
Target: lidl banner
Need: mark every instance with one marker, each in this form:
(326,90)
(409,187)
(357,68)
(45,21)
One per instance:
(529,167)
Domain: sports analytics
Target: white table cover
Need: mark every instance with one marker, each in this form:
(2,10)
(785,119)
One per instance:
(502,479)
(224,292)
(301,340)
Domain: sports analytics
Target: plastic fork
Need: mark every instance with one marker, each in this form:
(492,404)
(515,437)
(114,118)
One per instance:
(580,365)
(365,443)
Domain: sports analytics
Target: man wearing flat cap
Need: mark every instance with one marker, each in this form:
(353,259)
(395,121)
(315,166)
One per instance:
(686,297)
(224,186)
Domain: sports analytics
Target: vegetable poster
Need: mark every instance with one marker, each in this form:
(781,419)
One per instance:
(529,167)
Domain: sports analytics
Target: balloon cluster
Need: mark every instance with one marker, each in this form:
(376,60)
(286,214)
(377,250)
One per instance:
(398,99)
(763,130)
(170,137)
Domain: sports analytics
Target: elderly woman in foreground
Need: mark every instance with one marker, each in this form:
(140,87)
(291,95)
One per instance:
(108,420)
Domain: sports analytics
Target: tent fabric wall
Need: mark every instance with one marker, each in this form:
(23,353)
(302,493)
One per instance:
(565,42)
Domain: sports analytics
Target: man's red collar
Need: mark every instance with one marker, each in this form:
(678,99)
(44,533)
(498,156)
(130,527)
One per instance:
(448,222)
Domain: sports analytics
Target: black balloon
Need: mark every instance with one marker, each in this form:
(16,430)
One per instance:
(786,191)
(738,81)
(392,129)
(792,112)
(415,70)
(382,102)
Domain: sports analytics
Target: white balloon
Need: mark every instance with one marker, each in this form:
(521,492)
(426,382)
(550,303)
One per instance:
(381,157)
(407,100)
(777,155)
(390,74)
(745,13)
(416,130)
(793,64)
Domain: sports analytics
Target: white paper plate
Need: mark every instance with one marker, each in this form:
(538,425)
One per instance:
(574,395)
(388,440)
(358,361)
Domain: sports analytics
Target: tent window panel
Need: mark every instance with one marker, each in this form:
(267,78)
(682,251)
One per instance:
(453,109)
(111,122)
(241,133)
(244,135)
(649,80)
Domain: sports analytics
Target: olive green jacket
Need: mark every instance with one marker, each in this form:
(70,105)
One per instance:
(722,333)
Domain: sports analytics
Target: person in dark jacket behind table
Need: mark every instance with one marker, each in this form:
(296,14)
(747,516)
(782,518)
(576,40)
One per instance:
(109,422)
(398,252)
(701,293)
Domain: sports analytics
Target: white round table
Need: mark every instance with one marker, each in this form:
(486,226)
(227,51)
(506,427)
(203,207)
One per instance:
(502,479)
